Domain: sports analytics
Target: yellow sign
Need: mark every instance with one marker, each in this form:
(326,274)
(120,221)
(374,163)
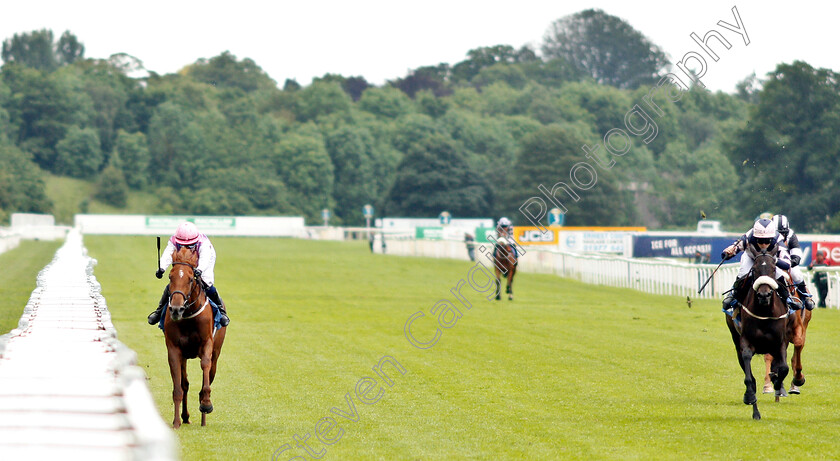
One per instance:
(534,236)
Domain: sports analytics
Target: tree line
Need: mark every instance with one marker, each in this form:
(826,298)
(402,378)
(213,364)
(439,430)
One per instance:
(476,138)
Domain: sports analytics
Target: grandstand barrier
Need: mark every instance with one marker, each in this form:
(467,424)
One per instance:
(68,387)
(33,226)
(656,276)
(8,241)
(238,226)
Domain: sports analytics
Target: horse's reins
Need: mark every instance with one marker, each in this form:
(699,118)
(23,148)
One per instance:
(764,318)
(187,303)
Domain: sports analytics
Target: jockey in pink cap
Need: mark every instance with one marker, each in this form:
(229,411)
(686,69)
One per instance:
(187,235)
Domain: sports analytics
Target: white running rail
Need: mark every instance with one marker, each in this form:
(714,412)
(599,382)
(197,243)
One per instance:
(657,276)
(68,388)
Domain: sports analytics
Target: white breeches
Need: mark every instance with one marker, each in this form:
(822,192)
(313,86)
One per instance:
(796,275)
(747,264)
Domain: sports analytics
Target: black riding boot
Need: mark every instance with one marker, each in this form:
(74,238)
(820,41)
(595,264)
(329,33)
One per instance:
(734,295)
(785,295)
(213,294)
(154,317)
(807,299)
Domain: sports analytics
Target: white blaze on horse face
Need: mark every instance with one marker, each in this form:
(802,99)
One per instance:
(181,272)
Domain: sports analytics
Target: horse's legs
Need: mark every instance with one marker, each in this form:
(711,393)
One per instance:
(175,365)
(498,284)
(185,386)
(206,355)
(218,340)
(798,341)
(779,369)
(510,283)
(768,383)
(749,379)
(796,365)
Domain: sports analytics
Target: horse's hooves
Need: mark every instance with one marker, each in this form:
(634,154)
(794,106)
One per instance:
(206,409)
(794,390)
(798,382)
(781,392)
(750,399)
(203,419)
(768,388)
(756,415)
(186,420)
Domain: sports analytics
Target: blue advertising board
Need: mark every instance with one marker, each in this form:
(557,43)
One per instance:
(687,246)
(680,247)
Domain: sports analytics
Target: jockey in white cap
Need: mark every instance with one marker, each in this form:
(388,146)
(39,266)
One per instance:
(792,242)
(762,237)
(504,235)
(187,235)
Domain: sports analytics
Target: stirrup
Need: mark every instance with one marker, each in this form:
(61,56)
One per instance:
(794,303)
(154,317)
(729,308)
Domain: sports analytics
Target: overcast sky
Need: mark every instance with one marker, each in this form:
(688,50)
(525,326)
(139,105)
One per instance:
(383,40)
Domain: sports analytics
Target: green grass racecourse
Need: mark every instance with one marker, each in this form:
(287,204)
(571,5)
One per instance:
(20,268)
(566,371)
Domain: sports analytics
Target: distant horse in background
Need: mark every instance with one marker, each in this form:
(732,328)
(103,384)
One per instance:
(797,326)
(188,330)
(504,260)
(763,328)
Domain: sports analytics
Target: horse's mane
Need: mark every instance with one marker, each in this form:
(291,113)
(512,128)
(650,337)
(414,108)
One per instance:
(185,255)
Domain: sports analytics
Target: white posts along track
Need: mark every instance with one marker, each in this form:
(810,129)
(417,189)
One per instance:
(68,388)
(657,276)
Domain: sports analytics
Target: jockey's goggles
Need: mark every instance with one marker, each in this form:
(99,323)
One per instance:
(191,246)
(764,240)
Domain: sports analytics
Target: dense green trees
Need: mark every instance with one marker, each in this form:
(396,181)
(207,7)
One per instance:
(606,48)
(38,50)
(21,183)
(435,176)
(787,152)
(476,138)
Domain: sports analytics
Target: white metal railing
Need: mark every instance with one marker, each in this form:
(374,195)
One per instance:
(68,387)
(648,275)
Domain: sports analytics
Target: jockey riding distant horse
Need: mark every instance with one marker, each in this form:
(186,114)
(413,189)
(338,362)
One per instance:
(505,257)
(189,330)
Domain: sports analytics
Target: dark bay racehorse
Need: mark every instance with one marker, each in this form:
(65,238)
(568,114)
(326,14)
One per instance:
(797,327)
(763,328)
(189,334)
(505,262)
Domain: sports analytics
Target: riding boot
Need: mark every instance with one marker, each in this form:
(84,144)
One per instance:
(806,297)
(736,293)
(154,317)
(213,294)
(791,302)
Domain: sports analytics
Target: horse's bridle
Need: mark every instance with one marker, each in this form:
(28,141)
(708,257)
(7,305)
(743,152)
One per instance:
(773,294)
(193,286)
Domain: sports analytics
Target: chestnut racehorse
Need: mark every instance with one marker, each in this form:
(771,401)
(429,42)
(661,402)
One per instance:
(504,261)
(763,328)
(189,333)
(796,329)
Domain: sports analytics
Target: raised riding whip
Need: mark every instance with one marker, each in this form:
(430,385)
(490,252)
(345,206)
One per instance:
(710,276)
